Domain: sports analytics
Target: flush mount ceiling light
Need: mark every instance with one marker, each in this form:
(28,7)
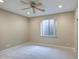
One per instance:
(60,6)
(28,13)
(1,1)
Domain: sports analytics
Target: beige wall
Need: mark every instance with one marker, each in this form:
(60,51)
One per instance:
(13,29)
(64,29)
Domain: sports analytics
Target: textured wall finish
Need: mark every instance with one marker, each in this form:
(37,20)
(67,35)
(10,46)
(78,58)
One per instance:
(13,29)
(64,29)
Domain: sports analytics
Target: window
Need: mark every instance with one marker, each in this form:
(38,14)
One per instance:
(48,28)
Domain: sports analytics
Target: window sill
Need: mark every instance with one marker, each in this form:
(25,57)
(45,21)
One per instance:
(47,36)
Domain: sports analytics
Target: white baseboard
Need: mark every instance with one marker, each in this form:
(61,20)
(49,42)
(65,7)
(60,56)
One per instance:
(50,45)
(39,44)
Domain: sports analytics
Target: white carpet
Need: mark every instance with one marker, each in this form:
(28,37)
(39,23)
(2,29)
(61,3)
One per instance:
(36,52)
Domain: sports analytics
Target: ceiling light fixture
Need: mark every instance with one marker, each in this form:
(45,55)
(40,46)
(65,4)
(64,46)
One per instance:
(28,13)
(60,6)
(2,1)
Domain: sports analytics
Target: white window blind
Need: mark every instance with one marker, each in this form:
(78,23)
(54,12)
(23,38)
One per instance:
(48,28)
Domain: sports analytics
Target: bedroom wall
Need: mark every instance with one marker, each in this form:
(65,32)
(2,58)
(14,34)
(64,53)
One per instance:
(64,29)
(13,29)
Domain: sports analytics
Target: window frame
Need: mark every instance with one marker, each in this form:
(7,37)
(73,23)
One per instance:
(48,36)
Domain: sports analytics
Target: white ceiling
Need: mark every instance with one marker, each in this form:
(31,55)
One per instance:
(51,7)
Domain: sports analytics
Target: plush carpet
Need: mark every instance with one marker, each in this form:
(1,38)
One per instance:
(36,52)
